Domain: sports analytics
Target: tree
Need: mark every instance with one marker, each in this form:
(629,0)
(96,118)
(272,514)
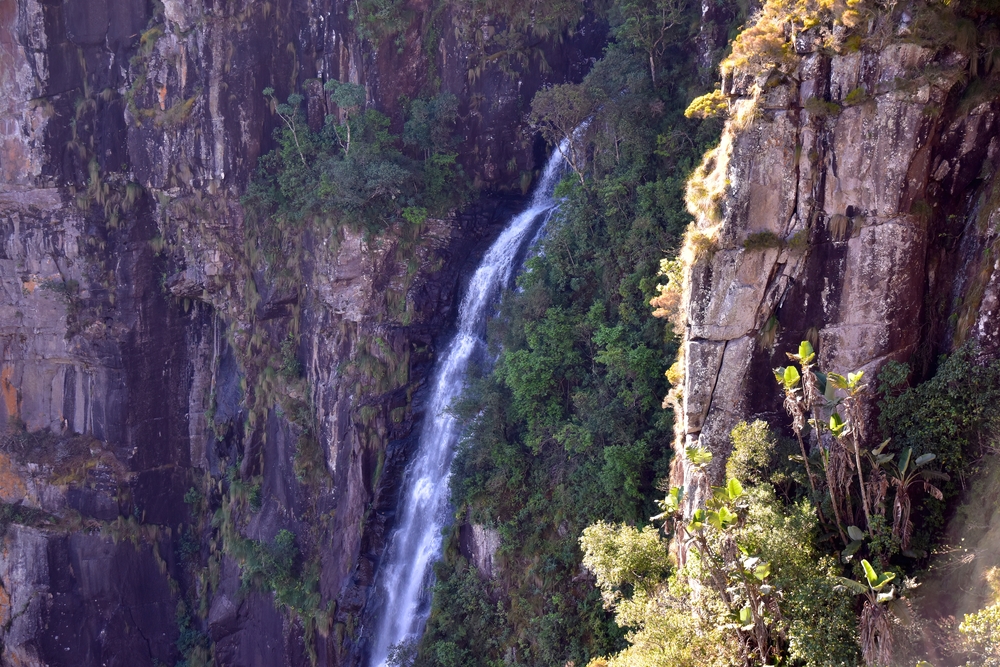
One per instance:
(650,26)
(429,126)
(350,99)
(561,113)
(289,114)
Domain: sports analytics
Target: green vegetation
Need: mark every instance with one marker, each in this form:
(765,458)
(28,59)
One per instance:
(771,561)
(752,590)
(353,171)
(983,627)
(761,577)
(277,566)
(946,414)
(763,240)
(567,427)
(192,642)
(22,515)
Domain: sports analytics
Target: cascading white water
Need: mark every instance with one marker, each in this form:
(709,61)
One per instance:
(404,578)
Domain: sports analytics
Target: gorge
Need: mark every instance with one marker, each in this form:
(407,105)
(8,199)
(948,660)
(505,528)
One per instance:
(235,236)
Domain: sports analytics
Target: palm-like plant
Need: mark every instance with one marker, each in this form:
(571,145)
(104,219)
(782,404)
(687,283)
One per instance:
(802,399)
(795,400)
(903,476)
(850,432)
(881,604)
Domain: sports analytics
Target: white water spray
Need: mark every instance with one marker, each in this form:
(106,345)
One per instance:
(401,601)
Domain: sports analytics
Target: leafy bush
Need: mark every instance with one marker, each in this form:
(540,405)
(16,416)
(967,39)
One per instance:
(753,451)
(353,170)
(763,240)
(462,629)
(982,629)
(277,567)
(944,415)
(623,557)
(821,108)
(752,586)
(709,105)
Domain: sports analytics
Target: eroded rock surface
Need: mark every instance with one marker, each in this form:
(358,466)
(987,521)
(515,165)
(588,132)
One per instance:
(850,205)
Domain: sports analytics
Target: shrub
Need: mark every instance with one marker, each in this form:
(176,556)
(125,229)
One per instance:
(762,241)
(982,629)
(766,44)
(623,557)
(856,96)
(709,105)
(945,414)
(753,449)
(821,108)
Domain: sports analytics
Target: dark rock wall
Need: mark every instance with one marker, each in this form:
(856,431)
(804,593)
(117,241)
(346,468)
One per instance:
(128,131)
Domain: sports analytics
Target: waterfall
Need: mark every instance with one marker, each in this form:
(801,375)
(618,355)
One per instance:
(401,601)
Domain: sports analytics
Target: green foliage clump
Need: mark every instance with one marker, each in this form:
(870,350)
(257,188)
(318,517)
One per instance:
(753,450)
(192,642)
(277,566)
(821,108)
(982,628)
(16,513)
(650,27)
(540,375)
(946,414)
(462,626)
(753,588)
(291,368)
(429,125)
(856,96)
(621,556)
(352,171)
(763,240)
(709,105)
(377,20)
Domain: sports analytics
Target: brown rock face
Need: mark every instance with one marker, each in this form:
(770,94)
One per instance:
(849,206)
(128,132)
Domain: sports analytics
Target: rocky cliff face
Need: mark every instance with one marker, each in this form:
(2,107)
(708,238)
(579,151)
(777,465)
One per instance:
(131,306)
(851,204)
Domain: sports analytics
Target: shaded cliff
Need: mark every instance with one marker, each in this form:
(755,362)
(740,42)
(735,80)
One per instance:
(169,409)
